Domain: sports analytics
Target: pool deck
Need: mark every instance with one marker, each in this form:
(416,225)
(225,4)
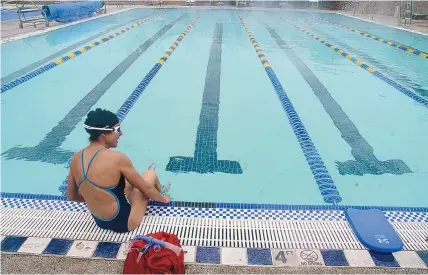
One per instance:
(10,29)
(30,264)
(222,236)
(418,26)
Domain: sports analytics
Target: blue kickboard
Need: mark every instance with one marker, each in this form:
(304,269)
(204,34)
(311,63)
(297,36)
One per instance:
(373,230)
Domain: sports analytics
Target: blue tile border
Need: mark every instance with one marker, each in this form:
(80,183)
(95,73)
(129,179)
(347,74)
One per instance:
(259,256)
(384,259)
(106,250)
(208,255)
(334,258)
(32,196)
(232,205)
(12,243)
(424,256)
(58,247)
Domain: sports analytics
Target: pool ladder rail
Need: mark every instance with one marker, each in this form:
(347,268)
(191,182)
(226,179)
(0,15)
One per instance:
(28,6)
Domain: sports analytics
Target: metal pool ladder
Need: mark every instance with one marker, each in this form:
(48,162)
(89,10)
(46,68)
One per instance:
(404,12)
(31,7)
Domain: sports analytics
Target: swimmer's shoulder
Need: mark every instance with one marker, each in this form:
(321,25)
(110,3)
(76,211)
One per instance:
(115,156)
(75,157)
(107,154)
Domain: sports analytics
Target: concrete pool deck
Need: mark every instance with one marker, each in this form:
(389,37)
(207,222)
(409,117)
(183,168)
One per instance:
(418,26)
(30,264)
(10,29)
(296,239)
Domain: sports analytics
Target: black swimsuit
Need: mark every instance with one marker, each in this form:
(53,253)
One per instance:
(119,222)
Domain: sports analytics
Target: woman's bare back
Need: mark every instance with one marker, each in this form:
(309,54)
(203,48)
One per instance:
(101,176)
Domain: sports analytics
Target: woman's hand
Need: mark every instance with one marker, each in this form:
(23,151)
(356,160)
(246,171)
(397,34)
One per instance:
(166,199)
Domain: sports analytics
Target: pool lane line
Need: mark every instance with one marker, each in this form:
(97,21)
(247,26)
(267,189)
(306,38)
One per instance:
(391,43)
(415,86)
(47,150)
(365,161)
(322,177)
(130,101)
(38,63)
(72,55)
(127,105)
(366,67)
(205,158)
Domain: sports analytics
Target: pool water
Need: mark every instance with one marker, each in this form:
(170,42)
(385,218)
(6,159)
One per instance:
(291,123)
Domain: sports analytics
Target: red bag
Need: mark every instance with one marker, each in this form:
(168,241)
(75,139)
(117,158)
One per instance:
(164,261)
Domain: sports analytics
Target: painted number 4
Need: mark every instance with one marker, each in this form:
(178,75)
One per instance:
(281,257)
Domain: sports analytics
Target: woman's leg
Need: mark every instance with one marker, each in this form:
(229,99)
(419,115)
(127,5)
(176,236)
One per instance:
(138,200)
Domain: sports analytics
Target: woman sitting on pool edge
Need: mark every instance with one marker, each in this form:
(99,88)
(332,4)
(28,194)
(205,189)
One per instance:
(116,195)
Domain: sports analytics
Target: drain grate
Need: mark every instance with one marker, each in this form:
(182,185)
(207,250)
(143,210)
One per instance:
(204,232)
(256,233)
(413,234)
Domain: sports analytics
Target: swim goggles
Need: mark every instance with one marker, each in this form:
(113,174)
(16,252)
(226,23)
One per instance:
(114,129)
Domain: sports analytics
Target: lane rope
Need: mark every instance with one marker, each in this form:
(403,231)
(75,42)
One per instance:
(391,43)
(133,97)
(322,177)
(14,83)
(423,101)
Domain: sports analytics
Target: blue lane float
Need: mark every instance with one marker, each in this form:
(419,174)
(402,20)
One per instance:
(67,12)
(322,177)
(365,160)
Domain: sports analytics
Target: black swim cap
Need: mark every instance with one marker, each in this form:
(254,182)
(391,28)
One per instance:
(100,118)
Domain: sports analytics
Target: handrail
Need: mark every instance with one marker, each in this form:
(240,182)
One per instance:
(7,2)
(119,4)
(21,11)
(31,1)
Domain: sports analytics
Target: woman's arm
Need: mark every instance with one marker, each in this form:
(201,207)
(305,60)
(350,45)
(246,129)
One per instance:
(135,179)
(72,190)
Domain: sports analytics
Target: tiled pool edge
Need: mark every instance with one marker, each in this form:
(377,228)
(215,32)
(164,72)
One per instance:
(45,197)
(226,211)
(222,255)
(263,248)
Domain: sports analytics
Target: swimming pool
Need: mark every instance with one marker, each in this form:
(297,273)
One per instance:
(243,107)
